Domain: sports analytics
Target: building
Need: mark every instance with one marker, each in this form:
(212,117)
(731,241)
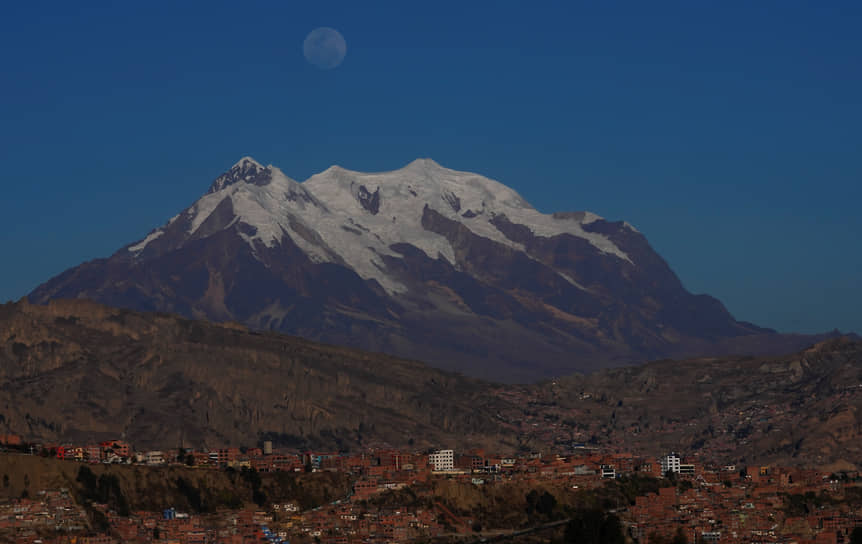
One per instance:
(442,460)
(670,463)
(225,456)
(154,458)
(10,439)
(93,453)
(118,448)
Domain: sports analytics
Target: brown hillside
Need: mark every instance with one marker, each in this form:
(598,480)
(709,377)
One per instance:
(75,370)
(803,408)
(78,371)
(156,488)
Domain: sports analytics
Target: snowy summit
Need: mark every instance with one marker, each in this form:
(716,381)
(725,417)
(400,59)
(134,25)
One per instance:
(355,218)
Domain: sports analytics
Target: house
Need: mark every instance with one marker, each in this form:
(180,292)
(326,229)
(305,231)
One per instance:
(119,448)
(154,458)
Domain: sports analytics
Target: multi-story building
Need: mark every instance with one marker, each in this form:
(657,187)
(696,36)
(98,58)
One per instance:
(119,448)
(93,453)
(670,463)
(225,456)
(154,458)
(442,460)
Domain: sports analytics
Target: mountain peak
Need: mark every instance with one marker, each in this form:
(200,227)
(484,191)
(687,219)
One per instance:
(245,170)
(247,162)
(417,165)
(424,164)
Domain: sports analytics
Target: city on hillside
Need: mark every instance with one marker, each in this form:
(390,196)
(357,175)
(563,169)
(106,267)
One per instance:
(392,495)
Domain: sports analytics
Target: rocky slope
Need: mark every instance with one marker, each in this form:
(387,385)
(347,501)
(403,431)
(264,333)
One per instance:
(424,262)
(804,408)
(74,370)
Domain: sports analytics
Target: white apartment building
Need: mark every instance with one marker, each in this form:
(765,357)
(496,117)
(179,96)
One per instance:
(670,463)
(154,458)
(442,460)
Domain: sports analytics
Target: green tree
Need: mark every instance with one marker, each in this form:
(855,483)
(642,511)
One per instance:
(251,476)
(594,527)
(547,503)
(191,493)
(258,496)
(108,491)
(540,503)
(88,482)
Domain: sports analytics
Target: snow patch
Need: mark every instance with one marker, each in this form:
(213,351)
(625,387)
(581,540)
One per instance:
(137,248)
(590,217)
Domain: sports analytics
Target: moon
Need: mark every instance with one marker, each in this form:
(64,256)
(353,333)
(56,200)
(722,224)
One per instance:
(324,47)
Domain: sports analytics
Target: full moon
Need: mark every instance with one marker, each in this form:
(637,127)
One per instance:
(324,47)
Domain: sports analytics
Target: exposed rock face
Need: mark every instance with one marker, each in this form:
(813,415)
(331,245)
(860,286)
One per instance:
(425,262)
(247,170)
(370,201)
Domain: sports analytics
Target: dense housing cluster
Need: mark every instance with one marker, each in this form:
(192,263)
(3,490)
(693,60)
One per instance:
(395,496)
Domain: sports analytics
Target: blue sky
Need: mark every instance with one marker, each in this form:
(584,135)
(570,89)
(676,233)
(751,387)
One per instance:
(727,132)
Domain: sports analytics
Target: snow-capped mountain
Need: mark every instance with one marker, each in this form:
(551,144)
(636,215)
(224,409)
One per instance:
(356,219)
(427,262)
